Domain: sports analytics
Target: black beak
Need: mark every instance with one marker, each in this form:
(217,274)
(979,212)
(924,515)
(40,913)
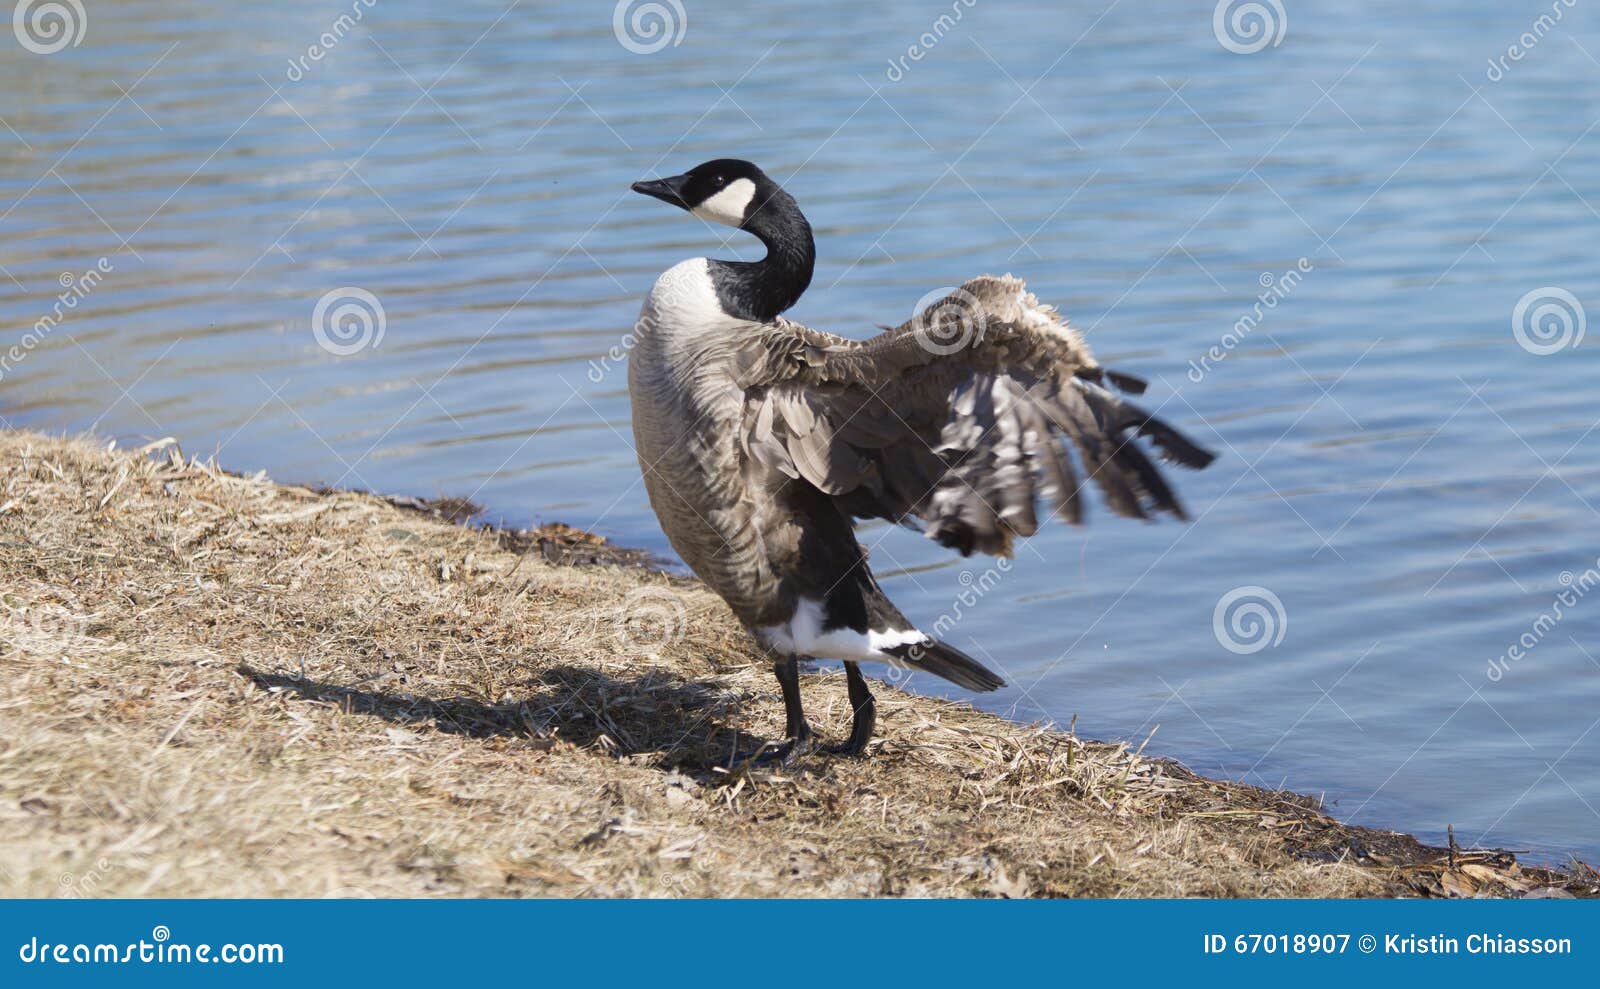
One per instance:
(666,190)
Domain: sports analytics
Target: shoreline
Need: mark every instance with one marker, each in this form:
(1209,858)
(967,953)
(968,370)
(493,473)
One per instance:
(217,685)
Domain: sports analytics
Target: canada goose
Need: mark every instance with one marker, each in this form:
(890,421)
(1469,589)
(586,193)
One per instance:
(762,440)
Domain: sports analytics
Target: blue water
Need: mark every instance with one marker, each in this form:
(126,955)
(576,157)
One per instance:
(1406,481)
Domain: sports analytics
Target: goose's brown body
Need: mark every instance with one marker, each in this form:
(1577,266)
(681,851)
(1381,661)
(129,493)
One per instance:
(719,516)
(762,441)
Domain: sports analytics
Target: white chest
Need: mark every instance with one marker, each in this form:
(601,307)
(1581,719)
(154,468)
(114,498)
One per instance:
(683,303)
(683,342)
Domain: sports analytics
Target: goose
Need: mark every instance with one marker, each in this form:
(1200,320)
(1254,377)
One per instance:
(763,441)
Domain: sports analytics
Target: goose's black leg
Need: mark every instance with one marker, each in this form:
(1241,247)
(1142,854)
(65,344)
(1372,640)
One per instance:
(865,709)
(801,741)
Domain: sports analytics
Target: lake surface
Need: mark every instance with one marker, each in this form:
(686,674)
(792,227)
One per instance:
(1405,485)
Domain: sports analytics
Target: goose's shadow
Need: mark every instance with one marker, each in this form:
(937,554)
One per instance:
(680,721)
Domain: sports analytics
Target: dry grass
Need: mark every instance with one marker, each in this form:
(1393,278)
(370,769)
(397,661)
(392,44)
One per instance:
(219,686)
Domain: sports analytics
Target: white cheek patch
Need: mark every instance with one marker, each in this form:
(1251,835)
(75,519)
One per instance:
(729,205)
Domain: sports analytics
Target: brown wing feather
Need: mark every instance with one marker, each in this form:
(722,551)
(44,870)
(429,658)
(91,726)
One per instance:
(963,439)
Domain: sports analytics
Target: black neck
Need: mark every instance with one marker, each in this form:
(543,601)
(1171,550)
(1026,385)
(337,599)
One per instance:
(760,290)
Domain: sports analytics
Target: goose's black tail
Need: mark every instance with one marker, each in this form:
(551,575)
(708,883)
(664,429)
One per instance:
(946,661)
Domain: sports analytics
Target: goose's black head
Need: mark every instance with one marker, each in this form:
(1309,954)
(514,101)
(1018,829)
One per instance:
(737,193)
(727,190)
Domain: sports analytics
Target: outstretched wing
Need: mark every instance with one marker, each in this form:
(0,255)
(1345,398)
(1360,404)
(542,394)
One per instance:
(955,420)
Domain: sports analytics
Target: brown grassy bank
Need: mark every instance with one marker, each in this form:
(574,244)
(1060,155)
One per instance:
(217,685)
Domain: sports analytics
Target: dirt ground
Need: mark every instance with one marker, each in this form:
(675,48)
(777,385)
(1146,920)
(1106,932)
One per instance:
(214,685)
